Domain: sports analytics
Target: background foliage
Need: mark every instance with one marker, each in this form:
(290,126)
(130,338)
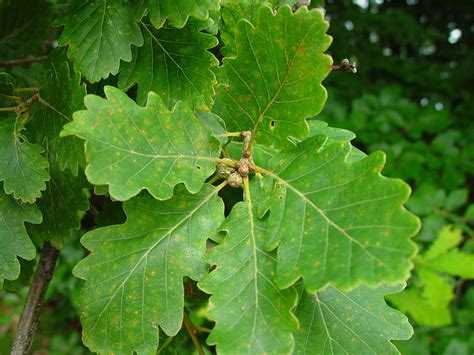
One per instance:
(410,98)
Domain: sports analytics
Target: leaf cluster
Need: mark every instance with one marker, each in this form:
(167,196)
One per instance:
(311,236)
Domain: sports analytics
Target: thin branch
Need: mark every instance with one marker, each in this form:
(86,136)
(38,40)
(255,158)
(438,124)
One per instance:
(23,61)
(345,66)
(34,89)
(165,344)
(190,328)
(30,316)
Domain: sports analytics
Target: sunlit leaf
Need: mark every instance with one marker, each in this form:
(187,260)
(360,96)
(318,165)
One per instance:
(338,222)
(131,148)
(275,80)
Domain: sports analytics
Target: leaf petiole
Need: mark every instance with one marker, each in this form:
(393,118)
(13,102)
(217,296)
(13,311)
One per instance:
(231,134)
(11,97)
(32,89)
(190,329)
(12,109)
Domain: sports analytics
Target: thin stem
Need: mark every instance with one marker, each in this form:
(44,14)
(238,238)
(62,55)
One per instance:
(225,162)
(165,344)
(231,134)
(214,179)
(27,89)
(225,153)
(221,185)
(11,97)
(23,61)
(247,189)
(12,109)
(190,328)
(30,316)
(459,221)
(203,329)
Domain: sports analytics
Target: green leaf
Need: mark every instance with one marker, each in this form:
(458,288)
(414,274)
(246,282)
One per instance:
(178,11)
(14,242)
(455,263)
(338,222)
(448,238)
(441,256)
(7,84)
(232,12)
(356,322)
(134,274)
(7,87)
(22,165)
(275,81)
(214,124)
(62,205)
(61,95)
(456,199)
(334,134)
(131,148)
(175,64)
(252,315)
(427,301)
(469,215)
(99,34)
(429,305)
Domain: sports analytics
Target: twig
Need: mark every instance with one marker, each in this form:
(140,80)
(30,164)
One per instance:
(345,66)
(165,344)
(30,316)
(35,89)
(301,3)
(190,328)
(24,61)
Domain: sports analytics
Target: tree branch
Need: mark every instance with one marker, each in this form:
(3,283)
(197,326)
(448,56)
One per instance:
(190,328)
(30,316)
(23,61)
(345,66)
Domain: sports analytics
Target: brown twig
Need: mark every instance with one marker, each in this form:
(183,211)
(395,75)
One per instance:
(30,316)
(23,61)
(190,328)
(301,3)
(345,66)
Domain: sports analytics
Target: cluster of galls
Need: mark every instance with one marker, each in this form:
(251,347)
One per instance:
(235,174)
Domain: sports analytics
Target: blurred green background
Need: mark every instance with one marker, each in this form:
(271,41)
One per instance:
(412,97)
